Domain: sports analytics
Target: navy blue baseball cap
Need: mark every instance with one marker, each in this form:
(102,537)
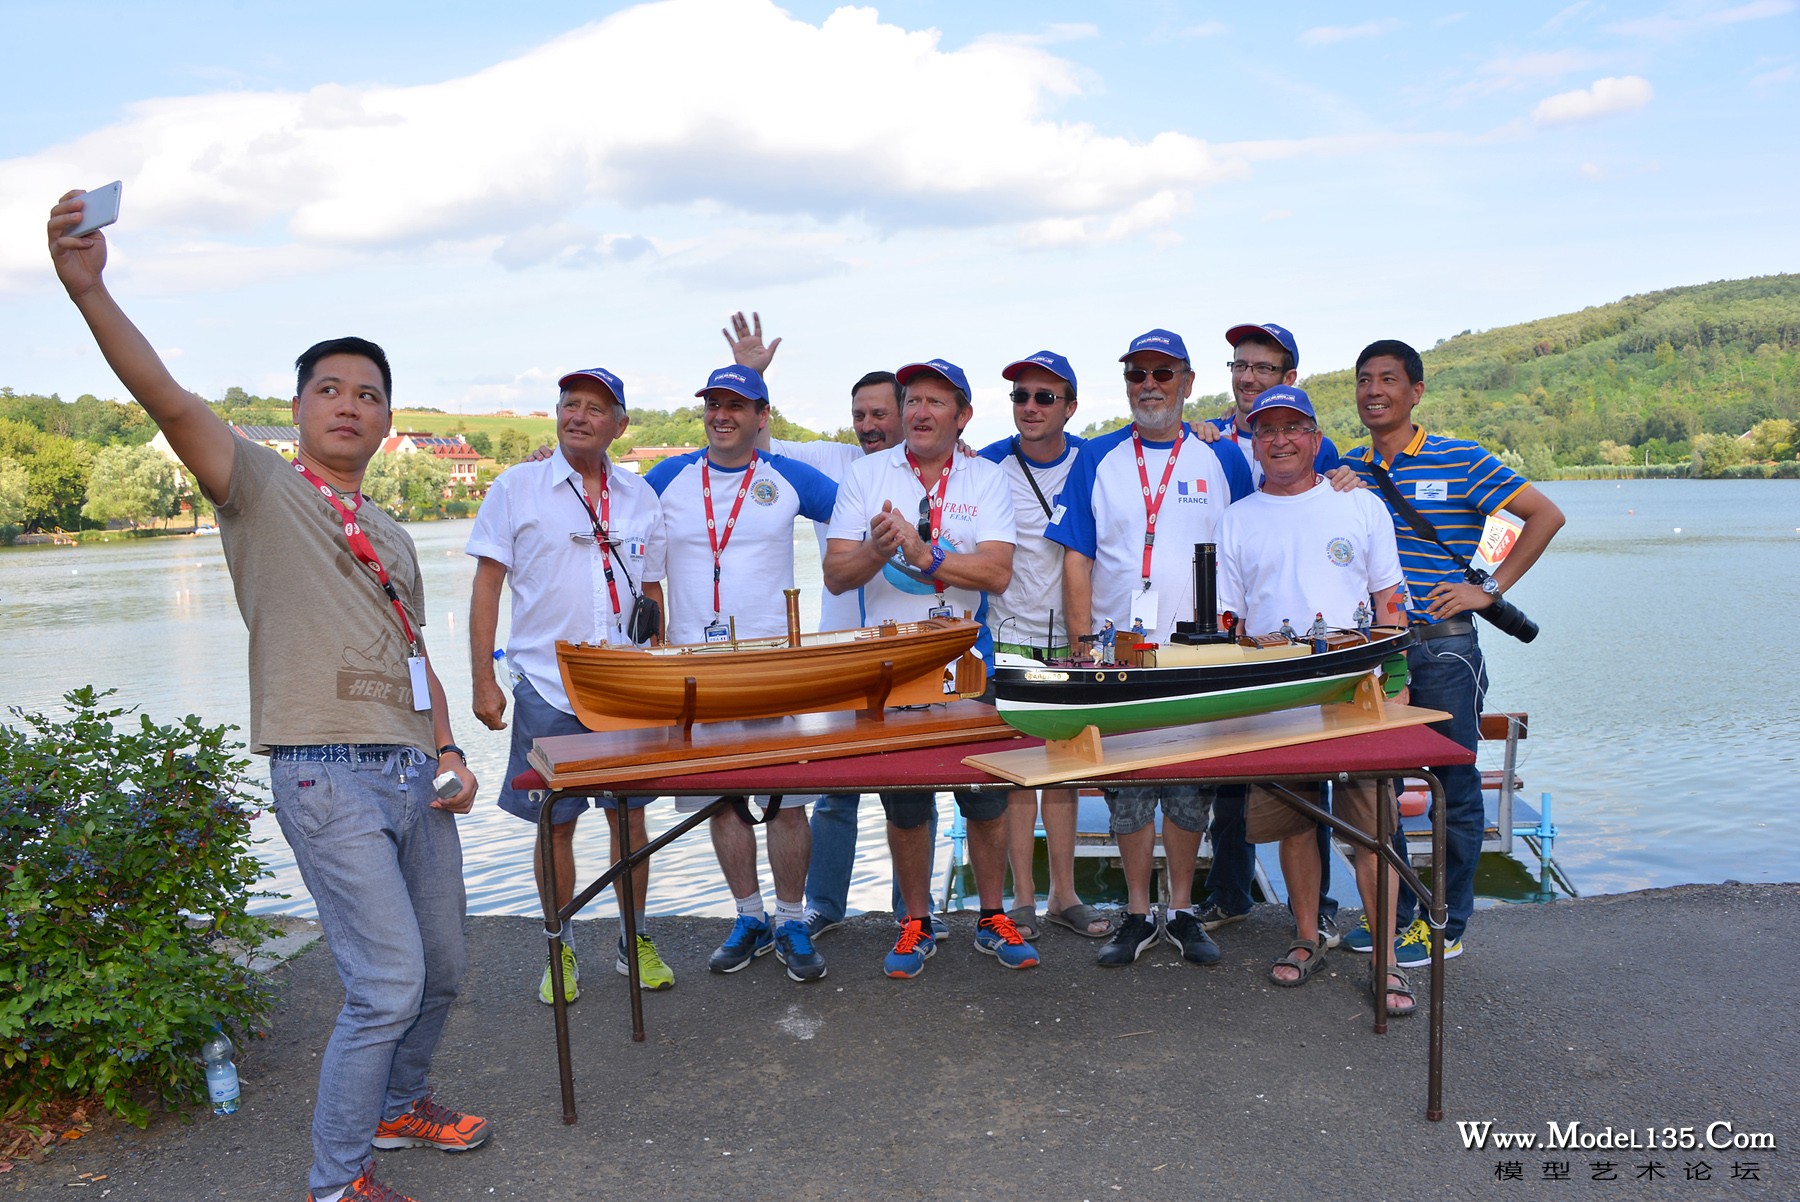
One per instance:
(1050,361)
(596,375)
(1282,396)
(1281,334)
(747,382)
(1158,340)
(942,367)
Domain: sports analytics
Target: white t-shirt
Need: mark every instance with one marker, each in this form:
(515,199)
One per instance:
(1023,613)
(833,459)
(1287,558)
(757,558)
(977,509)
(1102,515)
(559,585)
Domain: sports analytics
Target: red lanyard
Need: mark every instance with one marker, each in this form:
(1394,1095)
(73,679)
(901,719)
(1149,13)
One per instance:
(1153,507)
(600,523)
(363,549)
(934,497)
(713,536)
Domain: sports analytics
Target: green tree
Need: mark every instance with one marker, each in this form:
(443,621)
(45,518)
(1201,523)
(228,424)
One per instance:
(1768,437)
(133,484)
(15,492)
(57,469)
(1713,453)
(407,486)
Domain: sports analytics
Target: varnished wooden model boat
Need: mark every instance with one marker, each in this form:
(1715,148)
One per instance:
(907,663)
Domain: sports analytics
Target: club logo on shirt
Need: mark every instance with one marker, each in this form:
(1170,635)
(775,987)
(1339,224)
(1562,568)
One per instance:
(1340,552)
(1431,490)
(764,491)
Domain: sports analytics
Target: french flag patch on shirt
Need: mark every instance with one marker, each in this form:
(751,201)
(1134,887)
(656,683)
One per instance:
(1192,488)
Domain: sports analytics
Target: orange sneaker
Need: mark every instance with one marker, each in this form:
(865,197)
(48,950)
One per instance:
(428,1125)
(366,1189)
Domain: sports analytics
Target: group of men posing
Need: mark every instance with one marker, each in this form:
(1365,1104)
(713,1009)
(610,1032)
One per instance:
(1099,533)
(347,706)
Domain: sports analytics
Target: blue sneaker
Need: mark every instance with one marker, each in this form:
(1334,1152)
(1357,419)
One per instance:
(913,948)
(793,947)
(1359,939)
(999,937)
(749,938)
(818,923)
(1414,947)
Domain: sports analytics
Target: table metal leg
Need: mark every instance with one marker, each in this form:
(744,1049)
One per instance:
(629,859)
(1440,914)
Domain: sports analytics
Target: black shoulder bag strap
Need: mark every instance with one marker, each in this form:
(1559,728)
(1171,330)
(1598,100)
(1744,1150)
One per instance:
(1029,478)
(1405,509)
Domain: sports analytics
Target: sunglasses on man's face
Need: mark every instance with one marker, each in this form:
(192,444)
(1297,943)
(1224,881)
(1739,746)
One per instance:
(1044,399)
(1162,375)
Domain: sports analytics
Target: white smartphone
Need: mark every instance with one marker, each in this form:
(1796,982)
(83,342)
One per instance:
(99,208)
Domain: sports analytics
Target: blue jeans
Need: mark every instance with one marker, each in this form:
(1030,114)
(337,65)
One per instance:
(385,870)
(834,853)
(1449,674)
(1228,880)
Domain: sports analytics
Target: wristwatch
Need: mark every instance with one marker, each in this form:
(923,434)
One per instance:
(1491,587)
(449,747)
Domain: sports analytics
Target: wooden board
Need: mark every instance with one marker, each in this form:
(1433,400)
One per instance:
(1054,762)
(611,757)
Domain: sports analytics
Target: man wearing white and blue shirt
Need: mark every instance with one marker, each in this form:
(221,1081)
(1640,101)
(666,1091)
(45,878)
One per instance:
(1036,462)
(925,532)
(730,514)
(577,539)
(1135,504)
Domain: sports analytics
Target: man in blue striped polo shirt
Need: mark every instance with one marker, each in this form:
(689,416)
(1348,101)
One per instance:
(1454,484)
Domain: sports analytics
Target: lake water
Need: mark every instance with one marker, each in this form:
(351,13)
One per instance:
(1663,727)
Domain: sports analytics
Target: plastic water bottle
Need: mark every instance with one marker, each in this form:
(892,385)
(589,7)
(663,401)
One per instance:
(504,669)
(221,1072)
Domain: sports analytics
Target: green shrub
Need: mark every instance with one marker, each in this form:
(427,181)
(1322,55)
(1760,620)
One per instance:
(126,871)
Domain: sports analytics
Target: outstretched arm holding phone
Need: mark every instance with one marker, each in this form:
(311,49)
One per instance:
(198,436)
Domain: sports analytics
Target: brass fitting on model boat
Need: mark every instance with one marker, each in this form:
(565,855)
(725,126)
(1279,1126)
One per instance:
(793,615)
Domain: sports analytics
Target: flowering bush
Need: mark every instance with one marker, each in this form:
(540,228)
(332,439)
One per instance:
(125,874)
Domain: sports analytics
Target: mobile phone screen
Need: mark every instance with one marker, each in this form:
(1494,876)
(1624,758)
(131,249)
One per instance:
(99,208)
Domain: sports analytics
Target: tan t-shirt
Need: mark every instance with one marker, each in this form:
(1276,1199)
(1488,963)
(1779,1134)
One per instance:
(327,655)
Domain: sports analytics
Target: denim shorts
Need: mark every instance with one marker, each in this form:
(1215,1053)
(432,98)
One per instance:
(910,810)
(535,718)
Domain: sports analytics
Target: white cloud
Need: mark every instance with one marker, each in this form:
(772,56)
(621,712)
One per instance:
(1620,94)
(1206,29)
(1769,82)
(851,120)
(1593,171)
(1326,35)
(1690,19)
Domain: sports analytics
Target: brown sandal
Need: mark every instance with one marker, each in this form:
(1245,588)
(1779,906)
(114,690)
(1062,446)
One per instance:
(1306,968)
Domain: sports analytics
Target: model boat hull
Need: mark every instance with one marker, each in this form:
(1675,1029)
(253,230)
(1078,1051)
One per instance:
(621,688)
(1058,702)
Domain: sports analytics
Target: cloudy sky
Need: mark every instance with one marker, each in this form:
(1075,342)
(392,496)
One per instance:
(501,196)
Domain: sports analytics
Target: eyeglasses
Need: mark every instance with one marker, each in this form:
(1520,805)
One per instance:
(1043,398)
(1297,429)
(1162,375)
(1262,371)
(925,518)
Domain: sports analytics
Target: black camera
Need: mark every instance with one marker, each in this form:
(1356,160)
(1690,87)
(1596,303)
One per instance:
(1503,614)
(646,619)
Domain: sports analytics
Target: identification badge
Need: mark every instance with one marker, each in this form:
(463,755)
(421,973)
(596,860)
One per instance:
(421,682)
(1143,613)
(1431,490)
(1056,515)
(939,611)
(717,632)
